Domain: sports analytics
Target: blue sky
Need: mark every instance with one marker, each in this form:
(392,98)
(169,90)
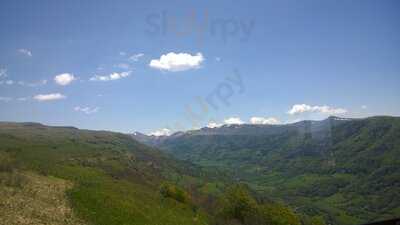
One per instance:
(146,65)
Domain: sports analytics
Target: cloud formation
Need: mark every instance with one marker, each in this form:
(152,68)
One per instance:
(175,62)
(64,79)
(113,76)
(233,120)
(213,125)
(161,132)
(86,110)
(238,121)
(303,108)
(49,97)
(263,120)
(136,57)
(25,52)
(8,82)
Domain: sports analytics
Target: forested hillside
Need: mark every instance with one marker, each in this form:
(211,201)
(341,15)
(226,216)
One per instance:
(345,169)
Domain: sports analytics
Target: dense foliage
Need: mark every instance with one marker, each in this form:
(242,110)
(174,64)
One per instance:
(238,206)
(175,192)
(345,169)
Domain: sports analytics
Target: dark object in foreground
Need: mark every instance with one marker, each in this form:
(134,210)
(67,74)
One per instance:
(386,222)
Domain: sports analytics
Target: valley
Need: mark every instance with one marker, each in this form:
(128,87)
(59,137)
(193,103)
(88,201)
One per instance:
(345,169)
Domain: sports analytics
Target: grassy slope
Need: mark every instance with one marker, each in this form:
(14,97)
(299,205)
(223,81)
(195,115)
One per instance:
(351,176)
(29,198)
(115,179)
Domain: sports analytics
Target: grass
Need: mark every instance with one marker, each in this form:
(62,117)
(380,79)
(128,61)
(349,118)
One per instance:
(105,201)
(35,199)
(108,178)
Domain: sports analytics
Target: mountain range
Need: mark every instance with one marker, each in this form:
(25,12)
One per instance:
(334,171)
(346,169)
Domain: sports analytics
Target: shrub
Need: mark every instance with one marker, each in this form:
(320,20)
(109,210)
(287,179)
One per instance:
(238,206)
(277,214)
(174,192)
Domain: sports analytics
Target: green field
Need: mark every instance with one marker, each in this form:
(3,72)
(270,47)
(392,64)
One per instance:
(105,178)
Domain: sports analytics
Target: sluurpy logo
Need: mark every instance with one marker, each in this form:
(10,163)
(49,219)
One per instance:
(199,25)
(203,109)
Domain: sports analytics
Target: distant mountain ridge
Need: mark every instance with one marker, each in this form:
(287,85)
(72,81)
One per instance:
(245,129)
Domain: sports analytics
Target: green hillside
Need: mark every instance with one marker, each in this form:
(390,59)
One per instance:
(115,179)
(345,169)
(63,175)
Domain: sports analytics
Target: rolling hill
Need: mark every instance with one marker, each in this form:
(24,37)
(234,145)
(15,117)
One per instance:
(113,179)
(345,169)
(64,175)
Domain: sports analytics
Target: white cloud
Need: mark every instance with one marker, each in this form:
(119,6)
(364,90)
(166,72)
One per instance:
(293,121)
(49,97)
(161,132)
(9,82)
(5,99)
(86,110)
(233,120)
(122,53)
(364,107)
(303,108)
(136,57)
(263,120)
(25,52)
(213,125)
(113,76)
(3,73)
(64,79)
(177,62)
